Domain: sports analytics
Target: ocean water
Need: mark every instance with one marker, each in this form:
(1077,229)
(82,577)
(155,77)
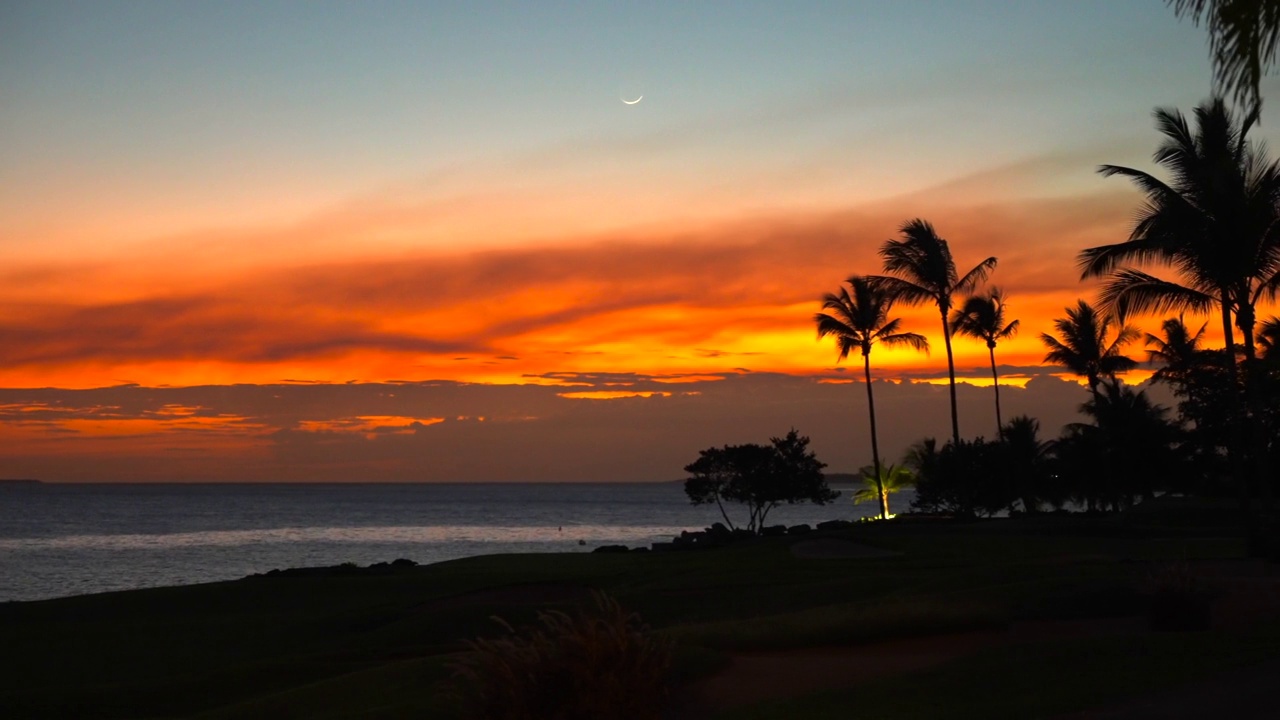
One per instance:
(58,540)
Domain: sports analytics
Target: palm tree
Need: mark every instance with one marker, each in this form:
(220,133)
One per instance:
(1269,337)
(1026,459)
(922,270)
(1243,38)
(860,319)
(1084,349)
(982,317)
(1215,224)
(1178,352)
(891,479)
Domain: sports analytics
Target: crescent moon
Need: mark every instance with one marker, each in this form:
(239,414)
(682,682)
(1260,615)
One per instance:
(632,102)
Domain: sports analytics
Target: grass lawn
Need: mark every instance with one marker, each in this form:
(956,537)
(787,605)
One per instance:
(378,646)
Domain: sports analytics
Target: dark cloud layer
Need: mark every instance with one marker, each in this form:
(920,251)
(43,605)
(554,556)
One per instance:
(487,432)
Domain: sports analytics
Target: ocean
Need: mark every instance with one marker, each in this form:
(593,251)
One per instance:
(58,540)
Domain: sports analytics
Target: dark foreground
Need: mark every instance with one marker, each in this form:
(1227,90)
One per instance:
(1032,617)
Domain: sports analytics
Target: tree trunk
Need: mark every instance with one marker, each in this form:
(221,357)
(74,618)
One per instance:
(1234,408)
(995,380)
(875,445)
(951,375)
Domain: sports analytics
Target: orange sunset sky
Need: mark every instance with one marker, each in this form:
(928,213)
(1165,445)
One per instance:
(404,241)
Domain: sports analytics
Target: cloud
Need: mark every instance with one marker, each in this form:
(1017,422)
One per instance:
(703,299)
(448,431)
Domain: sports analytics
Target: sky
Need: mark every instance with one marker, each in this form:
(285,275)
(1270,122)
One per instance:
(434,241)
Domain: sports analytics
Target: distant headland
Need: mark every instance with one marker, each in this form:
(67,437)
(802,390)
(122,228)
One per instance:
(17,481)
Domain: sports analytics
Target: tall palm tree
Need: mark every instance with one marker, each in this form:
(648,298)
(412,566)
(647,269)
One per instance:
(1084,348)
(858,320)
(1217,224)
(921,271)
(982,317)
(1243,38)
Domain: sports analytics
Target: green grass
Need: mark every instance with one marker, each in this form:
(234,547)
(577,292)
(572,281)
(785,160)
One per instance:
(372,646)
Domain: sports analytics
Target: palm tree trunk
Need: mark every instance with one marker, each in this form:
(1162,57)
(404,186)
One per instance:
(1234,407)
(951,375)
(995,380)
(875,445)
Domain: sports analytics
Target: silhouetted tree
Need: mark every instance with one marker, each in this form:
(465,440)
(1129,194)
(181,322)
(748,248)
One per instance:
(983,317)
(1243,37)
(859,320)
(1178,352)
(1215,224)
(760,476)
(921,270)
(964,478)
(892,479)
(1026,461)
(1130,449)
(1084,348)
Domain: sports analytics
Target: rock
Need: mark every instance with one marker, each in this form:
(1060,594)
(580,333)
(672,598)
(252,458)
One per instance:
(799,529)
(773,531)
(663,546)
(718,529)
(403,563)
(834,524)
(611,549)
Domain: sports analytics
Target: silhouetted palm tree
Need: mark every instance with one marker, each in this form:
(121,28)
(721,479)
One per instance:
(922,270)
(859,320)
(1178,352)
(1026,459)
(1084,348)
(891,479)
(1269,337)
(1214,223)
(982,317)
(1243,38)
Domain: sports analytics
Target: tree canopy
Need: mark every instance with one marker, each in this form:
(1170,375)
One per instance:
(760,476)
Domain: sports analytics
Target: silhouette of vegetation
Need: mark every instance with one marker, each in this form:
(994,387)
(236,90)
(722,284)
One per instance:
(1083,347)
(760,476)
(878,488)
(1213,224)
(1129,451)
(859,320)
(1026,463)
(1243,37)
(921,270)
(983,317)
(963,478)
(601,664)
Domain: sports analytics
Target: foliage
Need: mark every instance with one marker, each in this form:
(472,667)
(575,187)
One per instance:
(1243,38)
(760,476)
(891,479)
(964,478)
(605,664)
(1083,347)
(1130,451)
(1026,463)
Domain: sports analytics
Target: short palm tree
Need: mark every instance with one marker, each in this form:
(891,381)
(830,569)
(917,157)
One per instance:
(921,270)
(1178,352)
(1026,459)
(982,317)
(891,479)
(858,318)
(1084,349)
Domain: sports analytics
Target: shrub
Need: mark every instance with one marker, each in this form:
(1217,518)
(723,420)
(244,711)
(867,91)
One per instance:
(601,664)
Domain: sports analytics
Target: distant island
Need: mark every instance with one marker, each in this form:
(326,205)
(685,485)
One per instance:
(15,481)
